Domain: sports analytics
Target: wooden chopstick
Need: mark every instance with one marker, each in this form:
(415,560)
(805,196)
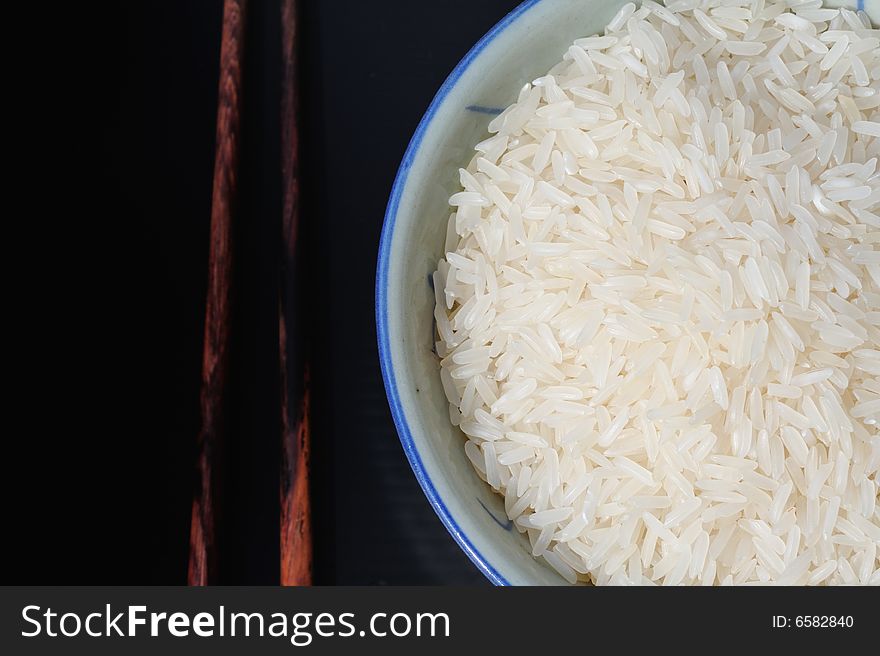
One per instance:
(296,527)
(203,555)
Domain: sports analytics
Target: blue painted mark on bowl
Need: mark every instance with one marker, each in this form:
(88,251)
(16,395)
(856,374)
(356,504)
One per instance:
(481,109)
(505,525)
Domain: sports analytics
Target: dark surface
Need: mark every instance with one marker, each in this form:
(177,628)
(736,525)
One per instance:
(370,70)
(110,395)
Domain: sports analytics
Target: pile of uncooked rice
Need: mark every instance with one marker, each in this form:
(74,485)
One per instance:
(659,310)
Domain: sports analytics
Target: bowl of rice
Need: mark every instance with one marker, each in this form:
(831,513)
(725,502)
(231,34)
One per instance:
(628,295)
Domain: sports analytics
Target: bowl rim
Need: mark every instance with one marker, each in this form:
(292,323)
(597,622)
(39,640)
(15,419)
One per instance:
(382,334)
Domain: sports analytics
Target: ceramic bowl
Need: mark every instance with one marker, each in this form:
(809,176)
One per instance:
(524,45)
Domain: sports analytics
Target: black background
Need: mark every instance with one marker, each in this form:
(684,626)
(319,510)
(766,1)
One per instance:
(106,223)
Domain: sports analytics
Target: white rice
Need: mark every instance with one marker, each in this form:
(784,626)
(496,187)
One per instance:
(659,311)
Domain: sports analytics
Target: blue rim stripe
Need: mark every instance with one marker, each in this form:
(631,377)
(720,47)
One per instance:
(391,391)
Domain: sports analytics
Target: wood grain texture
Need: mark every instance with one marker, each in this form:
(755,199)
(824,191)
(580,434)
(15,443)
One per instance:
(296,527)
(203,553)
